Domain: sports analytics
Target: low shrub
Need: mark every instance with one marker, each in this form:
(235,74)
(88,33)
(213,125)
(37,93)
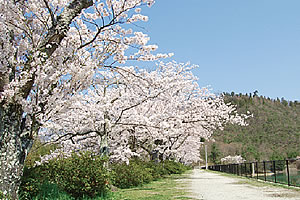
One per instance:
(51,191)
(131,175)
(85,175)
(174,167)
(139,172)
(32,180)
(157,170)
(80,175)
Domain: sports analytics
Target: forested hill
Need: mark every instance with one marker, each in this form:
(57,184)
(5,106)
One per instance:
(273,132)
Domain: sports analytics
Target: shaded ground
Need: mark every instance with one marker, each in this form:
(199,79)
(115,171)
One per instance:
(211,186)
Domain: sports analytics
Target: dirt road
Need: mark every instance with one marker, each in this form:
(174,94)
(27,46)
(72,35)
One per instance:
(206,185)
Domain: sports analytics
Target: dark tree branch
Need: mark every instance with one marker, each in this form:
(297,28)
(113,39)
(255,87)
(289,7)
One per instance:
(50,12)
(56,34)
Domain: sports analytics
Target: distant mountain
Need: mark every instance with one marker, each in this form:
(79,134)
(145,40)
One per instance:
(273,132)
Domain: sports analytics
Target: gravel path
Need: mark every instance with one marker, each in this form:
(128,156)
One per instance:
(211,186)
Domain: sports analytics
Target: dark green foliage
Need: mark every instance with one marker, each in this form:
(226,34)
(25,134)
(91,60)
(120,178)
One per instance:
(51,191)
(140,172)
(80,175)
(292,154)
(131,175)
(34,177)
(173,167)
(31,182)
(277,156)
(275,127)
(215,154)
(157,169)
(84,176)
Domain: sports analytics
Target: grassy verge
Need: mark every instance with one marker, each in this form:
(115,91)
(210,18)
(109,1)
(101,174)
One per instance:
(172,187)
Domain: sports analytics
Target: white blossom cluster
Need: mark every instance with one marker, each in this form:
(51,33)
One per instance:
(60,79)
(136,112)
(99,36)
(232,159)
(52,51)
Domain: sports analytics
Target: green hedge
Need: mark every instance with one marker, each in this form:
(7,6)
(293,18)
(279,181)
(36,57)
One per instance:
(85,175)
(174,167)
(80,175)
(134,174)
(139,172)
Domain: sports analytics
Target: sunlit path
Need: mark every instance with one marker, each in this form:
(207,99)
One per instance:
(211,186)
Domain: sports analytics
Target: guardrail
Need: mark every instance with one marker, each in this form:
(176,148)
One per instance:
(277,171)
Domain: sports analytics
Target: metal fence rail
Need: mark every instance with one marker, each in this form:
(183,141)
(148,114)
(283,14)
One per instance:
(277,171)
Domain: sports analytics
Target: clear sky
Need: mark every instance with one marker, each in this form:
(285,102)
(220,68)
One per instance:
(240,45)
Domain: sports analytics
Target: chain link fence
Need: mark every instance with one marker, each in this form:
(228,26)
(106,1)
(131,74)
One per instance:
(277,171)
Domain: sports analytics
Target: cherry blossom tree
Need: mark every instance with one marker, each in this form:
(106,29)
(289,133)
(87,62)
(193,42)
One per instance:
(232,159)
(141,113)
(51,51)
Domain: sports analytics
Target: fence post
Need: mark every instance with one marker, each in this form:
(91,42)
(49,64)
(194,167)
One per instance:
(253,170)
(256,163)
(288,172)
(274,167)
(265,171)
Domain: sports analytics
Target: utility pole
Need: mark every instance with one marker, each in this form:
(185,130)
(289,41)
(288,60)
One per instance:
(206,166)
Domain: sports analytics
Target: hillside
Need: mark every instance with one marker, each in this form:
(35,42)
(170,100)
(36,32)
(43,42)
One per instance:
(273,132)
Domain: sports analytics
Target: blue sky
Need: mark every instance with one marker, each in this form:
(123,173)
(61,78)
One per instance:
(240,45)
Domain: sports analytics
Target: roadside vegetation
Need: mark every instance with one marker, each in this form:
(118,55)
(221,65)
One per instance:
(86,176)
(172,187)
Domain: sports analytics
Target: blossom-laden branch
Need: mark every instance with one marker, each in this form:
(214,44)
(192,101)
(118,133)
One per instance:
(140,112)
(52,52)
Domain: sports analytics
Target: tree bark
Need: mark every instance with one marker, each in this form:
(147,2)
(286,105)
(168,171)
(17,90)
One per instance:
(14,146)
(15,140)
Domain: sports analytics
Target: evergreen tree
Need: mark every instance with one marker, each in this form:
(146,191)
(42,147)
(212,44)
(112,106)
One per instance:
(215,154)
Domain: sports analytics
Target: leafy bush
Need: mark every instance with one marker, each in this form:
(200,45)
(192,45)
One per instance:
(80,175)
(31,182)
(51,191)
(174,167)
(85,175)
(157,170)
(139,172)
(131,175)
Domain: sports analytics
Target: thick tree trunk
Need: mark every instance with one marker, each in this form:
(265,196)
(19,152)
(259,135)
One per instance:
(14,145)
(15,141)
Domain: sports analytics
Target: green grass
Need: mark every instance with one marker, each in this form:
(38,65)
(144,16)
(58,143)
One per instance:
(49,191)
(171,187)
(168,188)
